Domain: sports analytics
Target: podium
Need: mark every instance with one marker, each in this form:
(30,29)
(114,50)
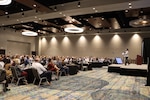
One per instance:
(139,60)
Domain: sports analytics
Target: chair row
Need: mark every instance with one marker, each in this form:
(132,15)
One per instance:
(35,74)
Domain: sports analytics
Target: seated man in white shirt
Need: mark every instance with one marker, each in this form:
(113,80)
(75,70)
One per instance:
(41,70)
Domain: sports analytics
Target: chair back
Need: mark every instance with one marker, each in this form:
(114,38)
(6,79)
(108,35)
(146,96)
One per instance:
(14,72)
(35,73)
(1,71)
(2,75)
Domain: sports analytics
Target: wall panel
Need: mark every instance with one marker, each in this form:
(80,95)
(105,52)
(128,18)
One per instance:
(16,47)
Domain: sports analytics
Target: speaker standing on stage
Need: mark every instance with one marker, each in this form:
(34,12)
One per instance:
(126,55)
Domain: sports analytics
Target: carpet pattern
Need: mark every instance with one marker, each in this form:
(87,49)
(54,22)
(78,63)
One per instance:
(79,83)
(97,84)
(118,95)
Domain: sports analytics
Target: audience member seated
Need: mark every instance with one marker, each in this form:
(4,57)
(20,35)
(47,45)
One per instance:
(42,70)
(43,61)
(16,60)
(6,59)
(8,70)
(107,61)
(67,60)
(21,73)
(52,67)
(26,61)
(1,63)
(3,75)
(62,66)
(4,79)
(22,60)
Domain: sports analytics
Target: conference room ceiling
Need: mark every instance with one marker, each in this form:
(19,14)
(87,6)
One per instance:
(51,16)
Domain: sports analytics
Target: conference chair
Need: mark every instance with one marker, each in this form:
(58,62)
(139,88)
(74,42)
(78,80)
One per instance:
(3,88)
(37,77)
(62,71)
(2,81)
(83,67)
(15,76)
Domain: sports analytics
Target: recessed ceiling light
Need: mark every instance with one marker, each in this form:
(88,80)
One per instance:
(96,11)
(102,18)
(55,8)
(21,9)
(126,10)
(129,4)
(34,5)
(79,4)
(93,8)
(6,12)
(60,13)
(5,2)
(29,33)
(130,7)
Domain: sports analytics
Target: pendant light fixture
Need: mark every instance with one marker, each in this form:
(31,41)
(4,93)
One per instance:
(5,2)
(29,33)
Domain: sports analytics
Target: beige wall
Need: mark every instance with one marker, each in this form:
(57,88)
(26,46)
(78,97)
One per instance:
(13,42)
(108,45)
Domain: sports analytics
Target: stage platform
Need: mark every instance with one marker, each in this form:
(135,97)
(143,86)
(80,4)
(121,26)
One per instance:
(131,69)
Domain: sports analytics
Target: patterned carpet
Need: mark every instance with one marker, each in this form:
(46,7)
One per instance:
(118,95)
(97,84)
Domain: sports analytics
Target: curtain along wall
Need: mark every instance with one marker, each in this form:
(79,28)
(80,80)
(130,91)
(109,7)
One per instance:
(146,49)
(146,56)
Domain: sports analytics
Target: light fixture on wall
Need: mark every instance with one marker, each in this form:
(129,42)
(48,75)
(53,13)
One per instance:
(5,2)
(29,33)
